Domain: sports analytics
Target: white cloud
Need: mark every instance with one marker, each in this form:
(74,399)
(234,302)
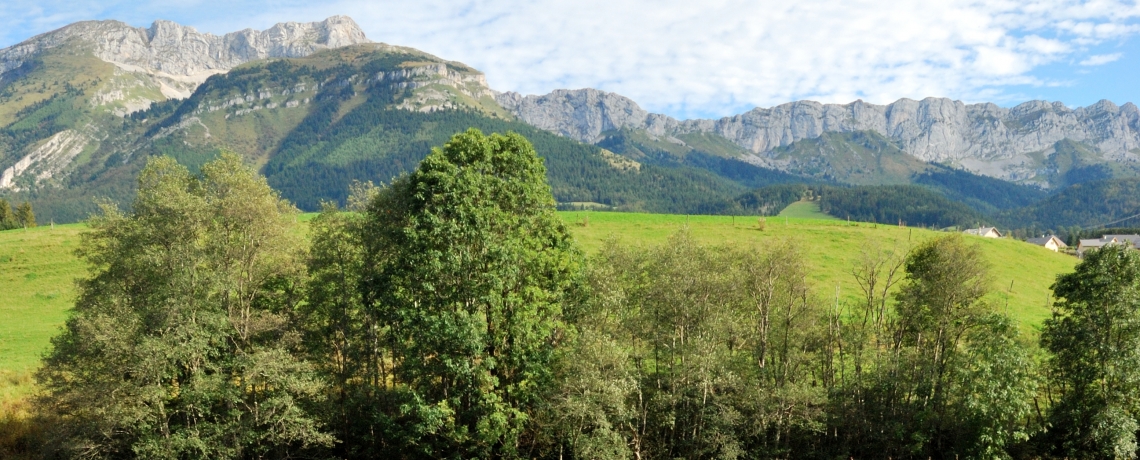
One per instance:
(1101,59)
(689,58)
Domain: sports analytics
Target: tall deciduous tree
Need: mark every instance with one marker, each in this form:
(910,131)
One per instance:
(346,340)
(180,344)
(470,270)
(942,375)
(1094,336)
(688,351)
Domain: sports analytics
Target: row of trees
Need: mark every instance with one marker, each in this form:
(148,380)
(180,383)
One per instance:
(450,315)
(22,217)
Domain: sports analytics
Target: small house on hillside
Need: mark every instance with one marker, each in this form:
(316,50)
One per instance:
(1130,240)
(1096,243)
(1050,242)
(987,232)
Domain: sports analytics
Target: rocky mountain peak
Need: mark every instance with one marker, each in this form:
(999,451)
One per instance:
(581,114)
(181,54)
(984,138)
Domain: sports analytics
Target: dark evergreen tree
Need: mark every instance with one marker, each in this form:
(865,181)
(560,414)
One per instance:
(7,217)
(25,216)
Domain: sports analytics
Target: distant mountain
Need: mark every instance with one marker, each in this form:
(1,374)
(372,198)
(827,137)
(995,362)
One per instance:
(313,123)
(318,105)
(177,57)
(63,93)
(1020,144)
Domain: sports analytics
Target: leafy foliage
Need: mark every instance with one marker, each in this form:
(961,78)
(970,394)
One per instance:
(180,341)
(701,352)
(450,315)
(944,376)
(1094,338)
(466,271)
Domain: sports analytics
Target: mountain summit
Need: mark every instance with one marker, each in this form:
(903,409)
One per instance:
(179,57)
(1035,142)
(317,105)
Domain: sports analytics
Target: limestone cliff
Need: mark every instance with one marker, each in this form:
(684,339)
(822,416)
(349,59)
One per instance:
(1009,143)
(180,56)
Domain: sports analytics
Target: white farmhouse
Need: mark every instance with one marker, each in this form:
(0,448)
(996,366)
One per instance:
(988,232)
(1050,242)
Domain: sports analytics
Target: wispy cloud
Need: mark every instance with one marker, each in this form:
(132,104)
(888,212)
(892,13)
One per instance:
(688,58)
(1101,59)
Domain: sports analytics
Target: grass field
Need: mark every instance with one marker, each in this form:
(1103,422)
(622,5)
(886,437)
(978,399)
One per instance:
(804,210)
(833,246)
(38,267)
(37,278)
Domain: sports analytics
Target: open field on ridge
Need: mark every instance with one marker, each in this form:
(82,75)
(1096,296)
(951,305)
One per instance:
(38,268)
(805,210)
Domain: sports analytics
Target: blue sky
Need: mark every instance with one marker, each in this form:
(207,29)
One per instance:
(716,57)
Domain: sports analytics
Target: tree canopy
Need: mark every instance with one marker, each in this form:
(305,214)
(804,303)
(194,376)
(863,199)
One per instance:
(1094,338)
(179,345)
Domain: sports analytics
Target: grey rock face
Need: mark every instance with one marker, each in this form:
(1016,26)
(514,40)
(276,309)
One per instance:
(578,114)
(181,51)
(984,138)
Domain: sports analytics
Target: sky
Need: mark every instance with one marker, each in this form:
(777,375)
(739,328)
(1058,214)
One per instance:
(712,58)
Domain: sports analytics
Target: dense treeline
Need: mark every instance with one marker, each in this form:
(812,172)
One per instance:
(1114,202)
(887,204)
(984,194)
(909,204)
(769,201)
(450,315)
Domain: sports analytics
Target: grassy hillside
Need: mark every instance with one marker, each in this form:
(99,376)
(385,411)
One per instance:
(832,246)
(37,273)
(864,158)
(38,267)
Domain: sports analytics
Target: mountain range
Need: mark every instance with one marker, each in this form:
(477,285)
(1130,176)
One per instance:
(317,105)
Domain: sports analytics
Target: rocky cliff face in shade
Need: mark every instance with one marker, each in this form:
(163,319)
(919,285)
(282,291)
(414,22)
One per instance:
(182,56)
(1007,143)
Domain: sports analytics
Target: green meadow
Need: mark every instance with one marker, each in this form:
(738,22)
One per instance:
(831,248)
(805,210)
(38,267)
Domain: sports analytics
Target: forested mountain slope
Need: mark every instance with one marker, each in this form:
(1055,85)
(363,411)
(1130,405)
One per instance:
(317,106)
(1113,202)
(364,112)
